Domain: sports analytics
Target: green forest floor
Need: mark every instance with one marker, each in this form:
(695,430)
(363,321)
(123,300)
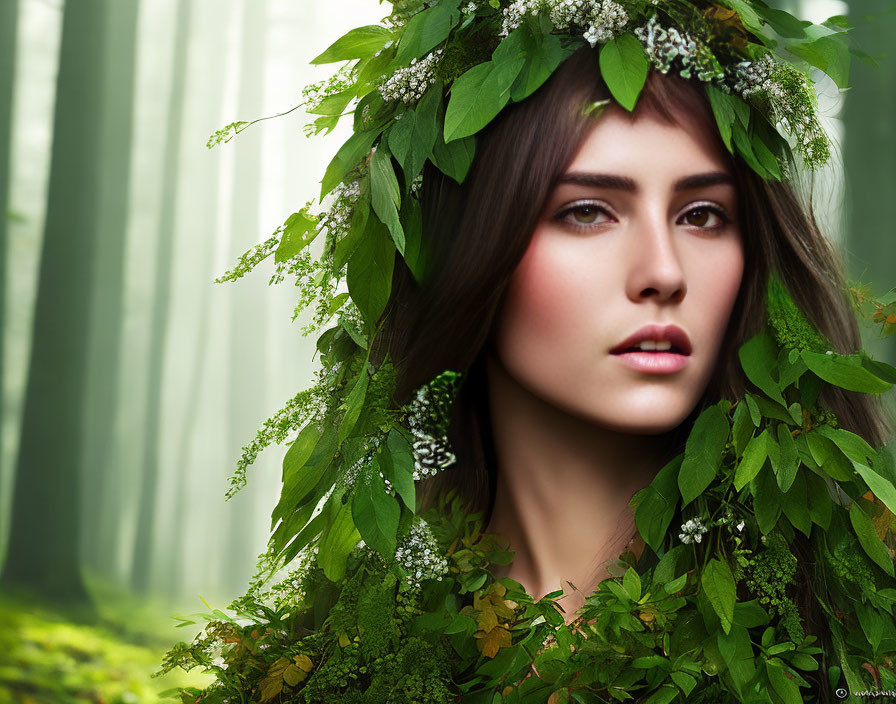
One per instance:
(49,656)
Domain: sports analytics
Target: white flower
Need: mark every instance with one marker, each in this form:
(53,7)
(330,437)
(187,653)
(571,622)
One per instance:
(740,526)
(410,83)
(692,530)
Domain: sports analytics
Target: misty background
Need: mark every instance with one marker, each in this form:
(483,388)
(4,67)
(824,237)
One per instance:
(130,381)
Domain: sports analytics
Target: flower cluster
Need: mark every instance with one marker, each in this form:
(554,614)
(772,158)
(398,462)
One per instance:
(603,19)
(791,98)
(470,8)
(427,419)
(514,13)
(410,83)
(420,555)
(370,448)
(692,531)
(338,216)
(666,46)
(314,93)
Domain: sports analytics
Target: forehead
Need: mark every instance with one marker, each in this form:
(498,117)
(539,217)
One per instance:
(646,145)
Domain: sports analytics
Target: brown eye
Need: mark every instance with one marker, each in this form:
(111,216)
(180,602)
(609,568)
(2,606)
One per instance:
(698,217)
(588,214)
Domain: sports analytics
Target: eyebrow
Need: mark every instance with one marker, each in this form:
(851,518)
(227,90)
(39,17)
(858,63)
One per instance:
(623,183)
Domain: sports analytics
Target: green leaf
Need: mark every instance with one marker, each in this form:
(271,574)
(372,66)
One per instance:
(685,681)
(454,159)
(347,245)
(748,16)
(882,488)
(299,231)
(845,371)
(758,356)
(426,30)
(334,105)
(718,583)
(852,445)
(623,66)
(753,459)
(354,403)
(347,158)
(375,512)
(790,461)
(872,624)
(830,53)
(741,428)
(412,219)
(753,407)
(820,504)
(703,452)
(338,539)
(412,138)
(369,272)
(356,44)
(385,195)
(655,504)
(301,480)
(738,655)
(397,463)
(868,537)
(795,505)
(631,582)
(723,110)
(782,22)
(478,96)
(543,53)
(782,683)
(766,500)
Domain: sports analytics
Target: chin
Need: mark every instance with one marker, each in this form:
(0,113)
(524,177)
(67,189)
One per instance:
(641,421)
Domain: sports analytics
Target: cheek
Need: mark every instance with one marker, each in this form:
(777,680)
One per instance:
(543,301)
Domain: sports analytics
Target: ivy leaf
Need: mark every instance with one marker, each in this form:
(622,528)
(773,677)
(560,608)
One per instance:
(795,506)
(882,488)
(845,371)
(758,356)
(753,459)
(356,44)
(655,504)
(820,505)
(478,96)
(703,452)
(623,66)
(766,500)
(741,428)
(339,537)
(397,463)
(375,512)
(412,138)
(347,158)
(830,53)
(723,110)
(427,29)
(298,232)
(631,582)
(782,682)
(385,195)
(354,404)
(543,53)
(369,271)
(790,461)
(869,539)
(718,583)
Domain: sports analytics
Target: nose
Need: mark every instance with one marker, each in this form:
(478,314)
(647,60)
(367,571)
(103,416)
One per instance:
(655,270)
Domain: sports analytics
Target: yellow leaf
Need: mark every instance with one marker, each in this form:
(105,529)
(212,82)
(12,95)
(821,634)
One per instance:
(343,640)
(303,662)
(492,641)
(293,675)
(487,620)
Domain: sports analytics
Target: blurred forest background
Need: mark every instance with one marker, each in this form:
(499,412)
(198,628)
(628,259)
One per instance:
(130,381)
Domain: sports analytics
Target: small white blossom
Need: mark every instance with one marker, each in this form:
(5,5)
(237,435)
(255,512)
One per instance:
(692,530)
(469,8)
(603,19)
(410,83)
(419,554)
(740,526)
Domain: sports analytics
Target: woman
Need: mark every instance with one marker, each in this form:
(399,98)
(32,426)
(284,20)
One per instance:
(588,225)
(554,433)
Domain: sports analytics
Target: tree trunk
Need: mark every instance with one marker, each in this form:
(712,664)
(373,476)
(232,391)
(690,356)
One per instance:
(43,554)
(146,516)
(105,337)
(9,10)
(247,312)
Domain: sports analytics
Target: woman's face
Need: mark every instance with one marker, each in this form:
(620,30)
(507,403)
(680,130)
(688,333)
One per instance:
(641,230)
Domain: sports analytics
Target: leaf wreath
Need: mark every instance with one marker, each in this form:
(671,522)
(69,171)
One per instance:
(380,603)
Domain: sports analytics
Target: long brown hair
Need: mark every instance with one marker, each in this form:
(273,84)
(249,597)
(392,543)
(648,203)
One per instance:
(475,234)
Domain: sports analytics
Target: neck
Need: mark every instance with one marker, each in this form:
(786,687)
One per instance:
(563,489)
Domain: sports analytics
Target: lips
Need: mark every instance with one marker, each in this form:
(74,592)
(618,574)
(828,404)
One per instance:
(674,334)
